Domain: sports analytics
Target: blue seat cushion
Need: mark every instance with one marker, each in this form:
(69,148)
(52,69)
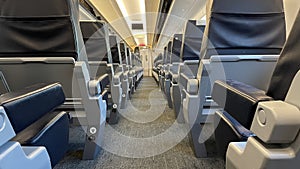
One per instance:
(50,131)
(26,106)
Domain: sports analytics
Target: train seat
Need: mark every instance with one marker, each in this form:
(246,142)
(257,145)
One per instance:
(190,53)
(173,67)
(241,42)
(165,66)
(42,42)
(118,59)
(96,39)
(29,157)
(31,114)
(156,67)
(268,122)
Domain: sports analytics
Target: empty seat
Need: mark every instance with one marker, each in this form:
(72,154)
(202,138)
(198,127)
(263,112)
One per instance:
(96,38)
(156,67)
(32,116)
(268,122)
(190,53)
(42,41)
(118,68)
(173,67)
(137,69)
(165,66)
(28,157)
(241,41)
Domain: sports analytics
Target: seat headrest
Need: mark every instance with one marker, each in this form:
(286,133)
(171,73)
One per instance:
(95,37)
(247,6)
(192,40)
(245,27)
(176,47)
(192,30)
(288,64)
(34,8)
(92,29)
(35,28)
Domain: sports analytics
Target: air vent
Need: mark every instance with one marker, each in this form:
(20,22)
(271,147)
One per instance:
(137,26)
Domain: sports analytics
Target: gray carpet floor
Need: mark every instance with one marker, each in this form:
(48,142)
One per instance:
(147,136)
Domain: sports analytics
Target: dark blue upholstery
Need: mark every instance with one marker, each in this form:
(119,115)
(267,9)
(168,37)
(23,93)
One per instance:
(42,17)
(167,59)
(240,100)
(30,112)
(176,48)
(231,93)
(93,33)
(32,102)
(123,54)
(228,130)
(192,39)
(114,49)
(238,27)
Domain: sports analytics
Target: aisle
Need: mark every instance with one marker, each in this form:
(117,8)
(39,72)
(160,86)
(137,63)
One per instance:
(147,136)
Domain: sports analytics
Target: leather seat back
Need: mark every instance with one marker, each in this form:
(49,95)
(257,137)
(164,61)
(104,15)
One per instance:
(168,52)
(259,28)
(38,28)
(176,47)
(122,52)
(95,36)
(41,40)
(192,39)
(114,49)
(288,64)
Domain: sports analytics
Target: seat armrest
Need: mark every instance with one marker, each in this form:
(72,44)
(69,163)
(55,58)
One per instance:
(241,132)
(117,78)
(98,85)
(167,75)
(94,87)
(192,86)
(183,80)
(104,81)
(238,99)
(125,76)
(175,78)
(276,122)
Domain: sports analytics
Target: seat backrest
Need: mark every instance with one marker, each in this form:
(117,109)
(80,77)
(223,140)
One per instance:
(96,39)
(113,43)
(192,40)
(243,27)
(41,40)
(95,36)
(169,52)
(123,52)
(159,57)
(176,47)
(288,64)
(37,28)
(158,60)
(129,56)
